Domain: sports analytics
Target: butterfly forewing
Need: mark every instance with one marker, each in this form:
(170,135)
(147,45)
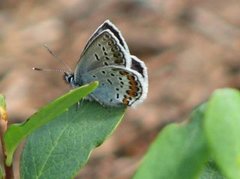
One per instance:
(110,26)
(105,50)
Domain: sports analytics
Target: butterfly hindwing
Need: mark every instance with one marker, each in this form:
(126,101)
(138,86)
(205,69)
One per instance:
(117,86)
(139,66)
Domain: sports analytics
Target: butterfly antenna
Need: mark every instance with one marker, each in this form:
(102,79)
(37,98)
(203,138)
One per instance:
(52,53)
(48,70)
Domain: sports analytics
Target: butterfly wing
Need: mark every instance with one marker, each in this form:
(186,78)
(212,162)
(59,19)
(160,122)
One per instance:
(103,51)
(117,86)
(110,26)
(139,66)
(123,78)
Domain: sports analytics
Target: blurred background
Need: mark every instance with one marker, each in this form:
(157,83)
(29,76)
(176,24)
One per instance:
(191,48)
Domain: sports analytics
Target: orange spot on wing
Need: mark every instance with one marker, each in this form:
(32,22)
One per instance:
(133,86)
(124,73)
(125,101)
(131,93)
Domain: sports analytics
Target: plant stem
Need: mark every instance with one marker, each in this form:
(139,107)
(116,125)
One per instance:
(3,128)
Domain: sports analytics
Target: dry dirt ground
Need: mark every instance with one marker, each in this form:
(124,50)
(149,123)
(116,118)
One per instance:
(191,48)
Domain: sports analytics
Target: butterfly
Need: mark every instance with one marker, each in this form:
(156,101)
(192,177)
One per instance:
(123,78)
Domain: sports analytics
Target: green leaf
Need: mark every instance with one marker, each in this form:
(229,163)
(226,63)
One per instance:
(60,148)
(222,127)
(178,152)
(211,172)
(17,132)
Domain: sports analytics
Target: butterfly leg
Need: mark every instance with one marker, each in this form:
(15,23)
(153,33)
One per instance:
(79,104)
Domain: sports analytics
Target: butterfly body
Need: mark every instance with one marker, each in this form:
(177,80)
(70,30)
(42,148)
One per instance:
(122,77)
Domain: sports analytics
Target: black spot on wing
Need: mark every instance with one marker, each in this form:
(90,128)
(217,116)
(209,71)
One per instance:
(109,81)
(96,56)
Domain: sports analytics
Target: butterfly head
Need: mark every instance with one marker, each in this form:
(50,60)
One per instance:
(69,79)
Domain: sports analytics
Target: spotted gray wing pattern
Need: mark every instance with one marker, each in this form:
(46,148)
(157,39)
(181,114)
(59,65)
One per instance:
(110,26)
(117,86)
(105,50)
(122,77)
